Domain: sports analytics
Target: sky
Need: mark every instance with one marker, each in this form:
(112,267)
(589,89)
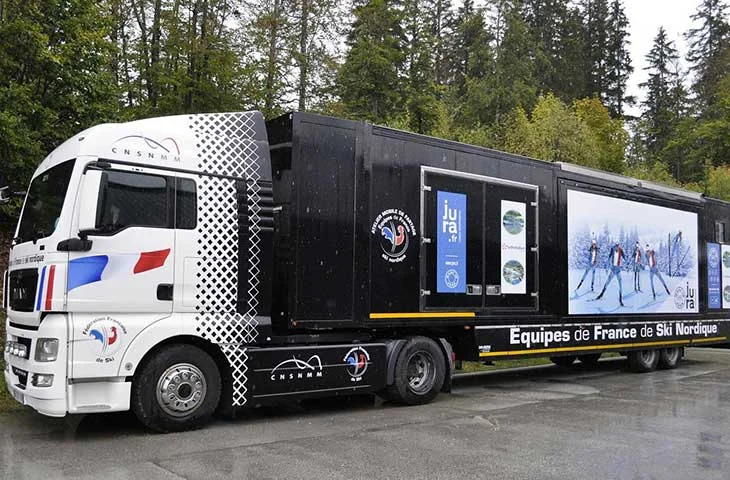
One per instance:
(645,17)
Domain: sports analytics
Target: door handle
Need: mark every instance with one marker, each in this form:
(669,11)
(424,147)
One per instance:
(164,291)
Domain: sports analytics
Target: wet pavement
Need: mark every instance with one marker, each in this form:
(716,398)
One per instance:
(534,423)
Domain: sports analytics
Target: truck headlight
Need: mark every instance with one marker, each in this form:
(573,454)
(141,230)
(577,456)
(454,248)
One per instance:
(46,349)
(42,380)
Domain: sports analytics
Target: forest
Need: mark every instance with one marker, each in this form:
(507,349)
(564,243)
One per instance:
(542,78)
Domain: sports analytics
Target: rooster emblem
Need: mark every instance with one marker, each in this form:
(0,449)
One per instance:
(395,235)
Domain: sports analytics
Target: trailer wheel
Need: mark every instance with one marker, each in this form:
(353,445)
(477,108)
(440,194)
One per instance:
(589,358)
(642,361)
(564,361)
(176,389)
(420,370)
(670,357)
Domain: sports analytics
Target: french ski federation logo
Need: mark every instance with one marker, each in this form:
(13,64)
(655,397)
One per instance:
(106,335)
(296,369)
(357,360)
(394,229)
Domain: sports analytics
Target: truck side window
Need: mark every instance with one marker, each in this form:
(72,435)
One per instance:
(132,199)
(186,208)
(720,232)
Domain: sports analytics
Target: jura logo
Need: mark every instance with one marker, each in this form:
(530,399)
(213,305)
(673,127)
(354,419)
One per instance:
(450,222)
(140,146)
(684,297)
(297,369)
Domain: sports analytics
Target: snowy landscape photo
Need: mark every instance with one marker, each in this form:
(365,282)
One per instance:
(630,257)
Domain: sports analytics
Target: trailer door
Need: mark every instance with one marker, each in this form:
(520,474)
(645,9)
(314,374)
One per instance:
(479,249)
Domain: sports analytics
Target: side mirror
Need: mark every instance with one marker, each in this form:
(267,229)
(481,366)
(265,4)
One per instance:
(89,200)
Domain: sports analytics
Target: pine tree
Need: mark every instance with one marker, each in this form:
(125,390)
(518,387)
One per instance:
(660,108)
(596,30)
(424,111)
(371,87)
(709,50)
(618,61)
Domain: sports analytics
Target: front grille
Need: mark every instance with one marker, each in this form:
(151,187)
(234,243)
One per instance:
(22,288)
(22,377)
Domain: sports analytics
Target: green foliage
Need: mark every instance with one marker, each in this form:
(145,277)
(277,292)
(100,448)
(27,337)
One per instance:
(718,183)
(370,81)
(554,132)
(54,79)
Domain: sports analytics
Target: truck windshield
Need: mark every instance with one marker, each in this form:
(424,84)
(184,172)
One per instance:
(44,201)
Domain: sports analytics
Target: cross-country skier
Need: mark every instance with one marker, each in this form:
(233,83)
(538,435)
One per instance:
(592,262)
(616,256)
(654,270)
(638,266)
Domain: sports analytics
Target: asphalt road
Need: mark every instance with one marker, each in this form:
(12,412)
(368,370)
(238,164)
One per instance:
(541,422)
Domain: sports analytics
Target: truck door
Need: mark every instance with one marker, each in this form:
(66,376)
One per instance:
(480,242)
(129,267)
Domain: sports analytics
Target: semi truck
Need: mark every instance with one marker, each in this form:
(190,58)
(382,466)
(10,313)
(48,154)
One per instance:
(193,264)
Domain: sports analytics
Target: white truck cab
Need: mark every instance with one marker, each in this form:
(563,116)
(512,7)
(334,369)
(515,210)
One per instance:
(128,240)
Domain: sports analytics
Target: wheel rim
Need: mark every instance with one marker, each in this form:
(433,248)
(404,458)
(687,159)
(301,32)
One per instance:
(421,372)
(181,389)
(672,354)
(647,356)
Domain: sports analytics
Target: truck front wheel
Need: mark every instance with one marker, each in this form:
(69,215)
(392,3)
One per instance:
(177,388)
(420,370)
(642,361)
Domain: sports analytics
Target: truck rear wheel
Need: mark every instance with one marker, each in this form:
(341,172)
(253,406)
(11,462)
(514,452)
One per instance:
(176,389)
(589,358)
(670,357)
(564,361)
(420,370)
(642,361)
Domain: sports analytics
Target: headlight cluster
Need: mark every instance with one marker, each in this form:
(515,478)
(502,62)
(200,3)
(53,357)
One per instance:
(16,349)
(46,349)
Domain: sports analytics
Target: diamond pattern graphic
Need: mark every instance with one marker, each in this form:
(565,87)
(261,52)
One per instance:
(226,146)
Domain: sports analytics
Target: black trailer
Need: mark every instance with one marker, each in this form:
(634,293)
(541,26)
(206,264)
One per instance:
(384,236)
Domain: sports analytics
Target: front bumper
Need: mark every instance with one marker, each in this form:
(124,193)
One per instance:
(19,371)
(65,395)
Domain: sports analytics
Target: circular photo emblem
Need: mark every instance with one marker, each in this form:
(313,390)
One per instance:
(726,293)
(513,272)
(357,363)
(726,259)
(394,230)
(106,335)
(680,297)
(513,222)
(712,256)
(451,278)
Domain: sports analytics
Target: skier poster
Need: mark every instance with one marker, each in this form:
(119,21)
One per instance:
(630,257)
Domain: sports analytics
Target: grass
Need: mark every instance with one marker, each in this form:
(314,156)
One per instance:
(7,403)
(469,367)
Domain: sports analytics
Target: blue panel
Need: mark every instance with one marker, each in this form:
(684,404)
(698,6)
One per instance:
(451,242)
(714,279)
(85,270)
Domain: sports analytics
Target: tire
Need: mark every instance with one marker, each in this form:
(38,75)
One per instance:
(589,358)
(190,375)
(669,358)
(564,361)
(642,361)
(420,371)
